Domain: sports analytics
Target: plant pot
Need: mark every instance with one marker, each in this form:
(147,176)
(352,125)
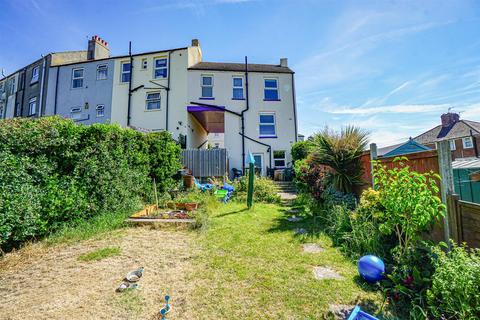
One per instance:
(190,206)
(188,181)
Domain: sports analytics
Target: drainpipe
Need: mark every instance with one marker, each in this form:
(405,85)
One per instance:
(40,98)
(269,148)
(168,90)
(23,91)
(56,92)
(243,116)
(129,83)
(474,141)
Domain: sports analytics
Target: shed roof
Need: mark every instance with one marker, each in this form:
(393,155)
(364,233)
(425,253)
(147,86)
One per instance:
(466,163)
(410,146)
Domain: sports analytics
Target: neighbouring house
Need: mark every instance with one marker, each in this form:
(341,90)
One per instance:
(237,106)
(464,136)
(402,149)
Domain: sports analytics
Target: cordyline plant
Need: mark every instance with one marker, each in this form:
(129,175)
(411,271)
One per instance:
(410,201)
(341,152)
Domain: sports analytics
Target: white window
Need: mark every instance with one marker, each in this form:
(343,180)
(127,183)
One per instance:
(76,113)
(77,78)
(102,72)
(467,143)
(207,86)
(271,89)
(153,101)
(100,110)
(452,145)
(279,158)
(32,106)
(34,75)
(238,88)
(144,64)
(267,125)
(160,68)
(125,72)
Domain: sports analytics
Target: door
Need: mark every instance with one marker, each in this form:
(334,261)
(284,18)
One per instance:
(258,157)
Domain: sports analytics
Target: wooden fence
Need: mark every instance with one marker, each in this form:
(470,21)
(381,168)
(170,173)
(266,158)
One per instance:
(464,221)
(206,162)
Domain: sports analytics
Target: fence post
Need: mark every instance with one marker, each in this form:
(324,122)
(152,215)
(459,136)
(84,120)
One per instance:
(446,184)
(373,156)
(454,215)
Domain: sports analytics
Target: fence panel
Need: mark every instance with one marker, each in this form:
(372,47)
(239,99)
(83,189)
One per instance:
(206,162)
(468,189)
(465,222)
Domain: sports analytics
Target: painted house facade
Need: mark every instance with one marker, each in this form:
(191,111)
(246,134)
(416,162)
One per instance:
(251,106)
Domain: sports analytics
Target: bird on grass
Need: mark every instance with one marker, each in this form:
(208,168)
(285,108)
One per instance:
(135,275)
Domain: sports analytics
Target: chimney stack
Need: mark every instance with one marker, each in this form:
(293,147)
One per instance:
(195,43)
(283,62)
(97,49)
(449,119)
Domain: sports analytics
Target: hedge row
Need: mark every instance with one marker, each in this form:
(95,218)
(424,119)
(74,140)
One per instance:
(54,172)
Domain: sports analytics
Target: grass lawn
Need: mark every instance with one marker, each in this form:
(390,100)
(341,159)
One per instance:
(252,267)
(246,265)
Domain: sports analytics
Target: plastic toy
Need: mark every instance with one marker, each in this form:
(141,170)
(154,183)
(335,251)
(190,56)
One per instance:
(165,309)
(371,268)
(358,314)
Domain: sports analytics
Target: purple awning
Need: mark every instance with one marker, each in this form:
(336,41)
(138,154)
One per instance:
(211,119)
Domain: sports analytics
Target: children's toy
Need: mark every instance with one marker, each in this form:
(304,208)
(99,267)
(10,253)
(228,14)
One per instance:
(358,314)
(371,268)
(165,309)
(203,186)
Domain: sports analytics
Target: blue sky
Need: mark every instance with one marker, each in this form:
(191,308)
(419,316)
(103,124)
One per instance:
(391,67)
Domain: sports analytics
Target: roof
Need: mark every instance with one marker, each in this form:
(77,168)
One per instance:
(410,146)
(240,67)
(466,163)
(460,129)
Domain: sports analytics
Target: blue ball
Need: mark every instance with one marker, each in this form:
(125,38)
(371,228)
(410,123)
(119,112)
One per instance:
(371,268)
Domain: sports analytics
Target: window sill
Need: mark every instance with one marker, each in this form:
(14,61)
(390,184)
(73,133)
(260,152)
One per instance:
(152,110)
(206,98)
(33,82)
(238,98)
(268,137)
(271,100)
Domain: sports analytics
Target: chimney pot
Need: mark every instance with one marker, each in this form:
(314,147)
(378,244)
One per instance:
(195,43)
(284,62)
(449,119)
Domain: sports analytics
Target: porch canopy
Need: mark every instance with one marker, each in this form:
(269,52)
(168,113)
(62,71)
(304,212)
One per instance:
(212,119)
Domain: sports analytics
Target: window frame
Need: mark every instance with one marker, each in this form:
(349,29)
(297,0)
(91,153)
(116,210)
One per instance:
(470,139)
(76,111)
(453,146)
(32,101)
(99,68)
(122,72)
(155,68)
(77,78)
(242,87)
(284,159)
(35,75)
(260,168)
(147,100)
(274,124)
(276,89)
(144,63)
(98,108)
(202,85)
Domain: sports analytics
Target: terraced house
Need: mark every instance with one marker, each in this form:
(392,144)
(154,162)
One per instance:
(251,107)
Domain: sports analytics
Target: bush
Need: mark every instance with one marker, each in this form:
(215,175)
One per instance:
(54,172)
(264,190)
(455,290)
(310,178)
(300,150)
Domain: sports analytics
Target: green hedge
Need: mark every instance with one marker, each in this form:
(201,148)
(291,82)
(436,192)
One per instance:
(54,172)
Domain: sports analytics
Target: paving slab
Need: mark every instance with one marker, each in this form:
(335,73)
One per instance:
(312,248)
(323,273)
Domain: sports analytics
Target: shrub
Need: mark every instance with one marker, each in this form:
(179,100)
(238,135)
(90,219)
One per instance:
(455,290)
(341,152)
(310,177)
(54,172)
(264,190)
(300,150)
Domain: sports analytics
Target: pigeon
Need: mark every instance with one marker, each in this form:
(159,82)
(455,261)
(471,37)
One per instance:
(125,285)
(135,275)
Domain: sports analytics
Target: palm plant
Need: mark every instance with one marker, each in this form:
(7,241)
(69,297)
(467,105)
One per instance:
(341,152)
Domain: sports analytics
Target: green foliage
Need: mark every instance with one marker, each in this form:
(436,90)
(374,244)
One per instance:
(410,201)
(341,152)
(455,290)
(54,172)
(100,254)
(300,150)
(264,190)
(310,177)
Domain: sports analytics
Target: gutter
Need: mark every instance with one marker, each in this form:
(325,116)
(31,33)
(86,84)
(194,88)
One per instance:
(294,108)
(40,98)
(56,92)
(129,84)
(269,148)
(247,106)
